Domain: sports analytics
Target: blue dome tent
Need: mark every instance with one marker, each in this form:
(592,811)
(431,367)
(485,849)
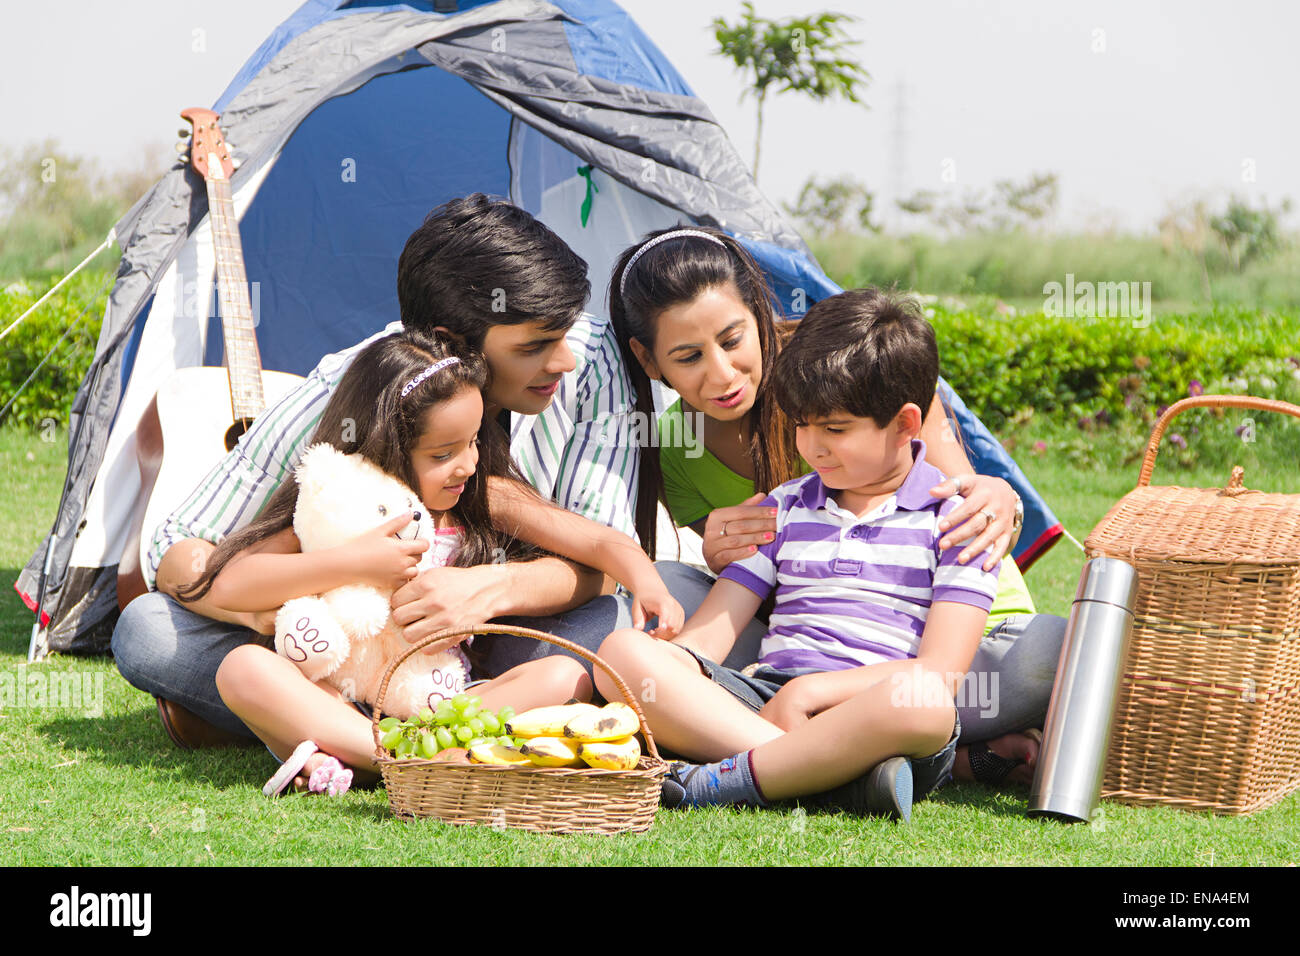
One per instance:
(352,121)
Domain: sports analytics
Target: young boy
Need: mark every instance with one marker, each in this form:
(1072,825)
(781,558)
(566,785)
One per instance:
(852,699)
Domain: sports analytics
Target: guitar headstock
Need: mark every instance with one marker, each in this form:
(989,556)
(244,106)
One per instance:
(209,154)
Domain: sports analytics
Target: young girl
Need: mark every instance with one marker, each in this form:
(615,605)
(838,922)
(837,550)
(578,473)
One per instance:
(414,409)
(693,310)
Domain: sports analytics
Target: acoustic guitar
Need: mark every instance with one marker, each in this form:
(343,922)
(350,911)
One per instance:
(198,414)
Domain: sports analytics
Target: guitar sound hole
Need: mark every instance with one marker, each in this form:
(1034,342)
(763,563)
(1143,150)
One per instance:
(236,431)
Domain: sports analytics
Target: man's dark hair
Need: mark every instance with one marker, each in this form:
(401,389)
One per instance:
(476,262)
(865,352)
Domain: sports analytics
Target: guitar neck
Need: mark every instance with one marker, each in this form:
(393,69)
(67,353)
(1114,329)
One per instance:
(243,360)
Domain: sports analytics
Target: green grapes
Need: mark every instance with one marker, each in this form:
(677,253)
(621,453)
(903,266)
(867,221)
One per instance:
(458,722)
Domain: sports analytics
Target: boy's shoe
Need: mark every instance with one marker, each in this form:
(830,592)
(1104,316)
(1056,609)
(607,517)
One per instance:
(884,790)
(672,791)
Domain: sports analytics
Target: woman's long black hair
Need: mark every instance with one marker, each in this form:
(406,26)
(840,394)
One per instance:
(368,415)
(677,271)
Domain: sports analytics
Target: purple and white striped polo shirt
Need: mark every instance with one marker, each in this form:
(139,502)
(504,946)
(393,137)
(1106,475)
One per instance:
(852,591)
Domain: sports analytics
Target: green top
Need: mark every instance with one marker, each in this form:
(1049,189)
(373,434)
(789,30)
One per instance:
(696,483)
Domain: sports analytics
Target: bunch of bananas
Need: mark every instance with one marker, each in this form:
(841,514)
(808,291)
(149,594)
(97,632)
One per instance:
(568,735)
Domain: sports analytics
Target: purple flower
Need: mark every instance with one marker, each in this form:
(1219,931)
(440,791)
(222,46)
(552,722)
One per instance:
(1178,441)
(1294,361)
(1240,430)
(1161,410)
(1102,417)
(1040,446)
(1195,388)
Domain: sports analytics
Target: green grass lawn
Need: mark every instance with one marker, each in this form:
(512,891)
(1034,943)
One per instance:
(111,789)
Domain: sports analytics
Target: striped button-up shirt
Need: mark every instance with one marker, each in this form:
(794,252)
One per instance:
(582,451)
(853,591)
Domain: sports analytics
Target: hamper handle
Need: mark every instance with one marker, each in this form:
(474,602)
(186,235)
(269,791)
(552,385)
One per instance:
(449,637)
(1205,401)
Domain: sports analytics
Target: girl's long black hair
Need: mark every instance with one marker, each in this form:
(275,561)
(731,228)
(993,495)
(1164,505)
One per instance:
(368,415)
(677,271)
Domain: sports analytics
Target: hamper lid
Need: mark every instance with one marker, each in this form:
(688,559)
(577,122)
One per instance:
(1210,525)
(1201,524)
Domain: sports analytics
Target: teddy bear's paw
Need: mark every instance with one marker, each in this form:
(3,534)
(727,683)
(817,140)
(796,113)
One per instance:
(307,634)
(425,682)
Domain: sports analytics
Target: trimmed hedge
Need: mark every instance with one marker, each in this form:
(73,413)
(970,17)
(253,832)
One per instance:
(49,395)
(1072,370)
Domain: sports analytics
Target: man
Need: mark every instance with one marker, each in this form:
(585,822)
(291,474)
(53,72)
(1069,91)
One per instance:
(489,273)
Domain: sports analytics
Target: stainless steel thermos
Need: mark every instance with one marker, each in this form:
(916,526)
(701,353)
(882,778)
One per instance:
(1071,762)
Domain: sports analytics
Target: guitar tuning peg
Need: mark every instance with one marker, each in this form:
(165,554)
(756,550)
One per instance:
(236,162)
(180,147)
(183,133)
(184,157)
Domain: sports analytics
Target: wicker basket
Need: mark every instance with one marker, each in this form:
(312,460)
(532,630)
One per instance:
(1208,716)
(543,799)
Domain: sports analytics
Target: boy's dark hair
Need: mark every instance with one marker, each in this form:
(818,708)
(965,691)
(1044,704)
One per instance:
(476,262)
(866,352)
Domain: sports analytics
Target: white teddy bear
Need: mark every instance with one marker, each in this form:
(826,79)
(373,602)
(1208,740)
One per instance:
(347,636)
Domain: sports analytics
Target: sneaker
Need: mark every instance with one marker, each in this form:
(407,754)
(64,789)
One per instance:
(884,790)
(672,791)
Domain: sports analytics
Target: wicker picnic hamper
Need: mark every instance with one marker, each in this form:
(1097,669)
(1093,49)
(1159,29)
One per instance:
(1208,715)
(543,799)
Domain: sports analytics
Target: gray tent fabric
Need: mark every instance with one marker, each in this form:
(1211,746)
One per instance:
(669,147)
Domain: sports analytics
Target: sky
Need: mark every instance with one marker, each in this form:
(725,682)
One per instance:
(1135,105)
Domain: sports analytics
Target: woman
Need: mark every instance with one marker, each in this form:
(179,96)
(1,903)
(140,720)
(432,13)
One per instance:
(693,310)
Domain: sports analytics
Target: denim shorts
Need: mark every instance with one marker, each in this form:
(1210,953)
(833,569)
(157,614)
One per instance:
(758,683)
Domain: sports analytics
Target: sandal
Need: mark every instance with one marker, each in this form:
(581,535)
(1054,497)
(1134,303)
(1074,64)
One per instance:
(992,769)
(331,777)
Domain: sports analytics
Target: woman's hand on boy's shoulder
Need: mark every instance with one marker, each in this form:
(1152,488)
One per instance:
(983,495)
(737,532)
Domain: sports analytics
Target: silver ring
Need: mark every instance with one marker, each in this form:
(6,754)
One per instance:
(989,515)
(957,481)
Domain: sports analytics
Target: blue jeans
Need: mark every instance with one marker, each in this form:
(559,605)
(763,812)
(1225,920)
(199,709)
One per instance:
(1007,688)
(167,650)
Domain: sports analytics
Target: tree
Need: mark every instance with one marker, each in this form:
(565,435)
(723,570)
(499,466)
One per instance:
(837,205)
(1012,205)
(1025,202)
(1248,233)
(802,54)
